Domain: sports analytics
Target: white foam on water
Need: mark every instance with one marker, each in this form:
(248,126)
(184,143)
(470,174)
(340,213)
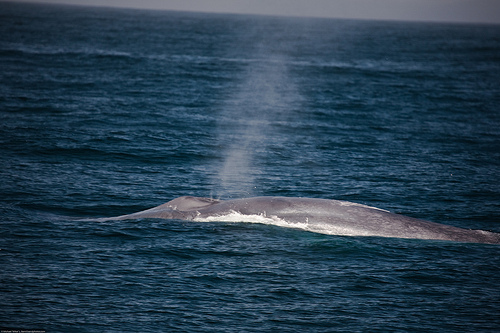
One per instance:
(321,228)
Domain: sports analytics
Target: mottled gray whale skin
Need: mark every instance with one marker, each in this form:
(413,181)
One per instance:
(318,215)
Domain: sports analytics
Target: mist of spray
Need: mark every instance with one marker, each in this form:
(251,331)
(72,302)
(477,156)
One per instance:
(246,125)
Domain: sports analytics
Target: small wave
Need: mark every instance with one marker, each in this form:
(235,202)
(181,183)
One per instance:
(48,51)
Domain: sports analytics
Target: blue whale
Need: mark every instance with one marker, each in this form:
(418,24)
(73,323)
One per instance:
(332,217)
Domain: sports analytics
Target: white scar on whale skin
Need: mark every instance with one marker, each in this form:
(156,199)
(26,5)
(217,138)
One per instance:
(325,216)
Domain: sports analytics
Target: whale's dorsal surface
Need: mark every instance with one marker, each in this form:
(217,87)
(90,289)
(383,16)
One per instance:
(182,208)
(333,217)
(188,203)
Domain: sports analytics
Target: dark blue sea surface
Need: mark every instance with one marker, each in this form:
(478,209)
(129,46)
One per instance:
(106,112)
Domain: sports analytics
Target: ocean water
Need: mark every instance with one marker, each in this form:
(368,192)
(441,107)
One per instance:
(106,112)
